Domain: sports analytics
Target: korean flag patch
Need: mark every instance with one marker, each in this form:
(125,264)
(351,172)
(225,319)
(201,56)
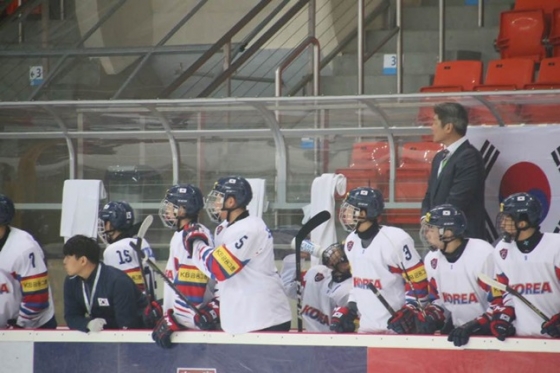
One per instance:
(103,302)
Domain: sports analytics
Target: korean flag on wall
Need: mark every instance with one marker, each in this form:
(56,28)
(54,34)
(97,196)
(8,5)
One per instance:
(521,159)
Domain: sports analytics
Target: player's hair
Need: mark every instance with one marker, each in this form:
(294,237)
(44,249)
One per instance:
(454,113)
(80,245)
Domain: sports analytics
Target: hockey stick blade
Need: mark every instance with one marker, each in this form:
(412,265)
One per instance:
(311,224)
(381,298)
(167,280)
(502,287)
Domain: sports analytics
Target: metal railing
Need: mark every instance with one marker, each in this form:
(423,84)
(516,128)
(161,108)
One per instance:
(316,61)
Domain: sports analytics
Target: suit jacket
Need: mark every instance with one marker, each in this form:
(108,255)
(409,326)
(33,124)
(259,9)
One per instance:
(461,184)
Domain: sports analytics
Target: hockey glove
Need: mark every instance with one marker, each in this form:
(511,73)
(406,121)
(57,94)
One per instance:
(342,319)
(190,236)
(96,325)
(501,325)
(461,334)
(12,324)
(152,313)
(552,326)
(404,320)
(434,320)
(209,317)
(165,327)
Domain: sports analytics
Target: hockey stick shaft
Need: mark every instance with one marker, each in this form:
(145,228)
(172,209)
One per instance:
(138,249)
(381,298)
(171,284)
(503,287)
(311,224)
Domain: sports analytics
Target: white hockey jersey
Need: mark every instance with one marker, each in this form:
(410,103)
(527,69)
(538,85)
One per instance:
(23,258)
(536,276)
(320,295)
(121,255)
(251,294)
(455,286)
(382,263)
(10,298)
(188,279)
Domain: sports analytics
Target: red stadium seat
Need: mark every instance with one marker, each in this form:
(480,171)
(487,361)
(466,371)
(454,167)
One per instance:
(554,35)
(419,154)
(412,179)
(369,166)
(455,76)
(503,75)
(549,75)
(549,78)
(507,75)
(522,33)
(451,76)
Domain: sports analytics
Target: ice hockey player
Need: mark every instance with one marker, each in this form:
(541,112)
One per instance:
(384,257)
(453,264)
(242,261)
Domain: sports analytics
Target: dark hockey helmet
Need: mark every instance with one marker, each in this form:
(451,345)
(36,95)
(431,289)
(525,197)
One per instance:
(522,207)
(517,208)
(333,255)
(334,258)
(187,196)
(229,186)
(119,214)
(362,198)
(7,210)
(440,219)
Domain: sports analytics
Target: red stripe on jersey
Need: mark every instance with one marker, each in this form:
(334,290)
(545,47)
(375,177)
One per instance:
(396,270)
(482,285)
(434,293)
(191,282)
(557,272)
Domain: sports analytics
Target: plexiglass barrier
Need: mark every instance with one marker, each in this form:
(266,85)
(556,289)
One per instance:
(140,148)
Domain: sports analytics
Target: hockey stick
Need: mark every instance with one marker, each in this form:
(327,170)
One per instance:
(381,298)
(311,224)
(502,287)
(137,246)
(167,280)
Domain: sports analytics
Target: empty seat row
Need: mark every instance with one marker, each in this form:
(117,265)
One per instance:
(501,75)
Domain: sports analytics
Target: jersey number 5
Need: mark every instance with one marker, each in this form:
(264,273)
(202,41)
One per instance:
(239,244)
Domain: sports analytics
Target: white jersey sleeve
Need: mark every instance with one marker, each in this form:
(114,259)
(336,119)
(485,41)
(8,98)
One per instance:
(23,257)
(288,276)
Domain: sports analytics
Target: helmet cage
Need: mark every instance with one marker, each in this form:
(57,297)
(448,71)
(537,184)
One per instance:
(349,216)
(214,205)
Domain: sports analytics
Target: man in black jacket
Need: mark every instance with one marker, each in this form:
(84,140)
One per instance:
(97,296)
(458,174)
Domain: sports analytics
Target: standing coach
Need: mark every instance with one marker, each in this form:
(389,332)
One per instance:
(458,174)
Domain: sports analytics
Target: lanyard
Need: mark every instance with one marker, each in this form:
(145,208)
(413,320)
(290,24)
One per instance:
(89,302)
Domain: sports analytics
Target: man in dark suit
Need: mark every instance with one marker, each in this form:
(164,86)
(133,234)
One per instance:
(458,174)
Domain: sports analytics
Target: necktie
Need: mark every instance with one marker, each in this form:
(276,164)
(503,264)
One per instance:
(443,161)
